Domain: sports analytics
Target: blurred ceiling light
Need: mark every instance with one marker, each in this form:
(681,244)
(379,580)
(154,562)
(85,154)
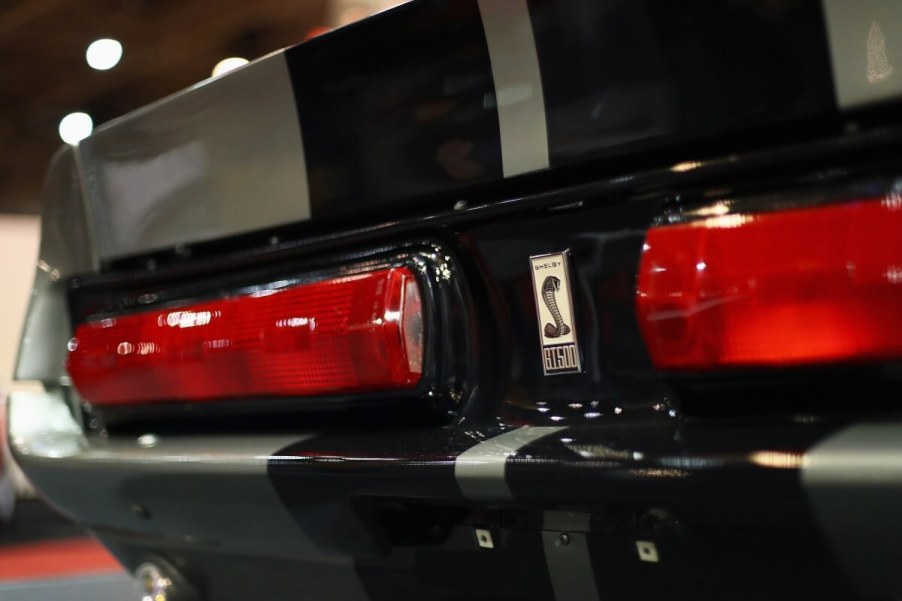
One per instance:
(227,64)
(103,54)
(75,127)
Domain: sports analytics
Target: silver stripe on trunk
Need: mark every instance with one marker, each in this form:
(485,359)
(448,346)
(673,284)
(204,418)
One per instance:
(221,158)
(518,85)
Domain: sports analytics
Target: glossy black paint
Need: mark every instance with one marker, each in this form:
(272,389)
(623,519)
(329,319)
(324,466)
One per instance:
(346,473)
(722,500)
(399,110)
(623,75)
(396,107)
(605,244)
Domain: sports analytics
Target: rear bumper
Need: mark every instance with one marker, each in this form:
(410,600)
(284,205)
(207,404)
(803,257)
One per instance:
(779,509)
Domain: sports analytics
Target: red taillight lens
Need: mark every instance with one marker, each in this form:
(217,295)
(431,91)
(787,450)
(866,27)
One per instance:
(344,335)
(798,287)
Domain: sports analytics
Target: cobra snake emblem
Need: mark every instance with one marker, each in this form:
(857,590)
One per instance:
(551,285)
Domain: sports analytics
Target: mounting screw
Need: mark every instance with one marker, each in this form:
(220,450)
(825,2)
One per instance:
(140,510)
(564,539)
(484,538)
(648,551)
(148,441)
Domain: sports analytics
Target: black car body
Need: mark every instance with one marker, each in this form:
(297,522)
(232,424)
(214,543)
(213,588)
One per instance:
(464,141)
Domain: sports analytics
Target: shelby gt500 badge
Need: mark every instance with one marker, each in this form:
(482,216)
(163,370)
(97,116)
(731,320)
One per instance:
(557,331)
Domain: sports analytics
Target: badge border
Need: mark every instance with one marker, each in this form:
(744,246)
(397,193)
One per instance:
(565,255)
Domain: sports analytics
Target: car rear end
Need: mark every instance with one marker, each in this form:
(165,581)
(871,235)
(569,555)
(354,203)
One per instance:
(493,299)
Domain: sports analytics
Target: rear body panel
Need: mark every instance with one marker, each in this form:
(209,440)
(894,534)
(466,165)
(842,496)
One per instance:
(482,134)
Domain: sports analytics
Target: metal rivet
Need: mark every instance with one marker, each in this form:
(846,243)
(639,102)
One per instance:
(148,441)
(484,538)
(648,551)
(563,539)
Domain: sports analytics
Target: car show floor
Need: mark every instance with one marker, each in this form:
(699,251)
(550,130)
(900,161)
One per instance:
(45,557)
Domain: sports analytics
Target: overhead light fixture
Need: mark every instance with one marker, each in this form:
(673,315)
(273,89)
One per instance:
(227,64)
(75,127)
(103,54)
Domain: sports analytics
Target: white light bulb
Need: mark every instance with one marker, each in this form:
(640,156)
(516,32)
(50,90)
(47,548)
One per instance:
(103,54)
(227,64)
(75,127)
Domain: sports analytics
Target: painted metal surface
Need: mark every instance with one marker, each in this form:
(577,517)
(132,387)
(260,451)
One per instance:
(864,50)
(519,96)
(853,479)
(354,122)
(403,146)
(479,470)
(66,250)
(397,108)
(374,498)
(187,489)
(116,587)
(198,165)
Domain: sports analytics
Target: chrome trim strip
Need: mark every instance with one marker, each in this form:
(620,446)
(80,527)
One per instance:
(221,158)
(479,470)
(518,85)
(865,53)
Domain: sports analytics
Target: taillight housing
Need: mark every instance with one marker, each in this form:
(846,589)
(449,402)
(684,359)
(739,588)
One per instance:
(808,286)
(352,334)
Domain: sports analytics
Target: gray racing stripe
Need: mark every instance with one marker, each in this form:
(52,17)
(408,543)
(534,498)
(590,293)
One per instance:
(221,158)
(479,471)
(866,49)
(854,482)
(518,85)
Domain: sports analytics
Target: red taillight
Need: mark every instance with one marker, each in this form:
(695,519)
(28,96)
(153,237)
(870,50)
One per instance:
(351,334)
(791,288)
